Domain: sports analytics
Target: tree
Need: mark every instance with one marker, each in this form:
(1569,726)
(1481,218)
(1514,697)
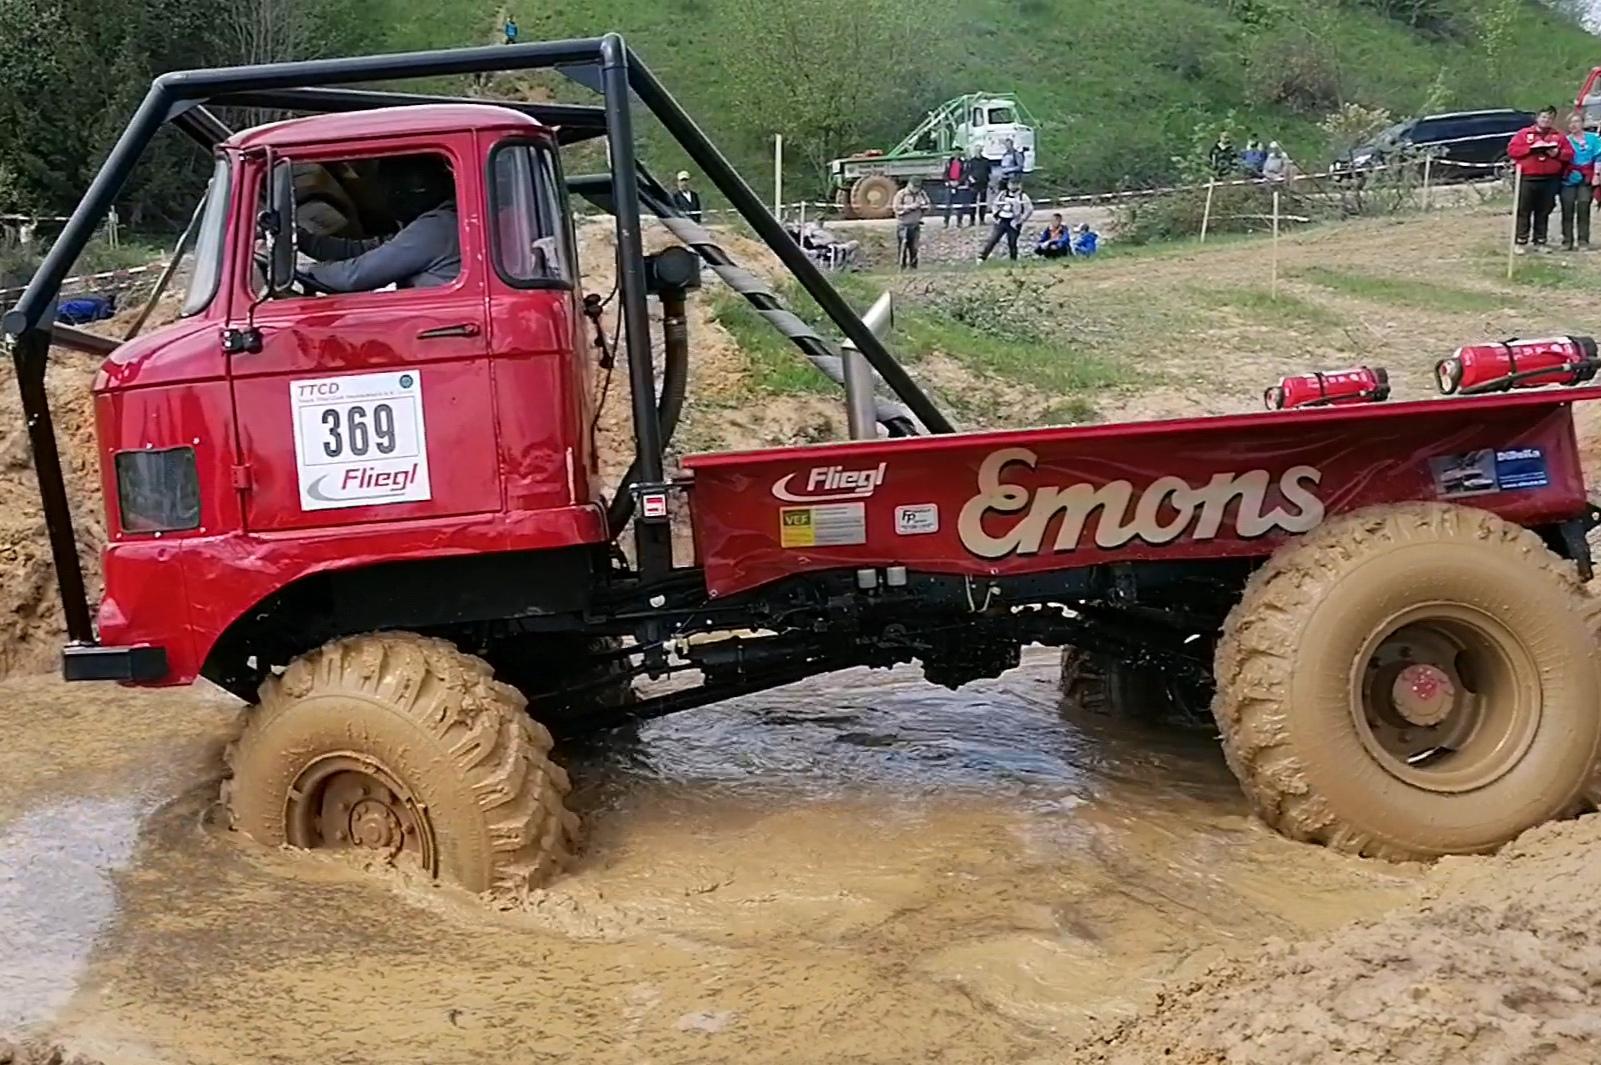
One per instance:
(835,76)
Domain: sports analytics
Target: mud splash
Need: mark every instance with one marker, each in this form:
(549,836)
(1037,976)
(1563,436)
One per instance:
(860,868)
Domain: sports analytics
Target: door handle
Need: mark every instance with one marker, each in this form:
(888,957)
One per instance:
(465,329)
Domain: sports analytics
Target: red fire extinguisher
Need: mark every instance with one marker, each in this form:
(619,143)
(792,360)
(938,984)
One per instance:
(1338,388)
(1481,368)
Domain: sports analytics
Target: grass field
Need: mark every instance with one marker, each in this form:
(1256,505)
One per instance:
(1118,88)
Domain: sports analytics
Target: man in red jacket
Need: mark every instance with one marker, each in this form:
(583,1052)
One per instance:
(1543,154)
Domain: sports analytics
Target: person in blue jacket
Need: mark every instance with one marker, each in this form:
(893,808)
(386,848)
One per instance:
(1578,187)
(1055,240)
(1086,241)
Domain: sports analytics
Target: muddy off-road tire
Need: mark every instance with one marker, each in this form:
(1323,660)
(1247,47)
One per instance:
(871,196)
(1413,680)
(402,747)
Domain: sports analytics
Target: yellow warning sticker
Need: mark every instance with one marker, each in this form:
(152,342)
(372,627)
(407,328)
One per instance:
(831,525)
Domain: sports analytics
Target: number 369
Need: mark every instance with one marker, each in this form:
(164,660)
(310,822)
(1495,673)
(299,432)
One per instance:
(356,431)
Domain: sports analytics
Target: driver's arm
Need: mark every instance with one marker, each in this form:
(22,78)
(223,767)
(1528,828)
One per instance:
(403,256)
(327,249)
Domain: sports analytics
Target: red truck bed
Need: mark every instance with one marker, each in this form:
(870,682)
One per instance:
(1042,499)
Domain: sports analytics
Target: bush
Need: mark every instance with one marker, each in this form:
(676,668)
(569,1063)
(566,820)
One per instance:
(1296,73)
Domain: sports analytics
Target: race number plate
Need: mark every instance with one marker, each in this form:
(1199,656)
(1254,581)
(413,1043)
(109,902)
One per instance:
(360,440)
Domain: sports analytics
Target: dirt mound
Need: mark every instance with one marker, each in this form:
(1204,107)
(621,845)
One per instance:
(30,611)
(38,1053)
(1497,961)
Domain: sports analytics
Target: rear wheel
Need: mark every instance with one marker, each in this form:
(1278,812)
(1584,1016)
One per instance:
(1411,681)
(403,749)
(871,196)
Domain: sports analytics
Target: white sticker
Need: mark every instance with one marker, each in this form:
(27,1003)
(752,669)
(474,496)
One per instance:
(919,519)
(831,525)
(360,440)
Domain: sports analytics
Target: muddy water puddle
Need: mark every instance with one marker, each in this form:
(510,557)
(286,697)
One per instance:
(862,868)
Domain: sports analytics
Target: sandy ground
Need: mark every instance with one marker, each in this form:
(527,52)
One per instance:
(861,868)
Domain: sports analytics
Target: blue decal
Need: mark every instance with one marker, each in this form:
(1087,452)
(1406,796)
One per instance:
(1522,467)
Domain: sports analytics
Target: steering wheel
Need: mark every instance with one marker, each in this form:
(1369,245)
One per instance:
(309,286)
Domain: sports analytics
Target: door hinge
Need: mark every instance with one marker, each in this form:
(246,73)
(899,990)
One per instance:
(241,477)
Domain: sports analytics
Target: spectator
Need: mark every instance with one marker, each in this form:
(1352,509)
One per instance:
(81,310)
(1253,157)
(954,168)
(977,176)
(1055,240)
(1013,209)
(1086,241)
(1277,165)
(686,199)
(1578,187)
(1011,163)
(1222,157)
(511,29)
(909,205)
(1542,154)
(818,238)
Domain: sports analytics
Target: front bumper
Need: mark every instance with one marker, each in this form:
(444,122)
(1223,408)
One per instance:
(127,664)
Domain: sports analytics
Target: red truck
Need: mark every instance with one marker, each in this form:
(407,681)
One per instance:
(377,515)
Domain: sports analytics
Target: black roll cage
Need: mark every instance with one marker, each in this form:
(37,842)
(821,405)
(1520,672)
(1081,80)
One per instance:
(602,63)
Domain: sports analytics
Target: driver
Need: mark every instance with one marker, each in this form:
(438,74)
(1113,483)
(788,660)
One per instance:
(425,253)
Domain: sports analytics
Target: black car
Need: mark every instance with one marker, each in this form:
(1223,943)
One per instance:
(1458,137)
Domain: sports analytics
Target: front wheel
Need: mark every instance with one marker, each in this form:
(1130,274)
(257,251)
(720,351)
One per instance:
(1410,681)
(403,749)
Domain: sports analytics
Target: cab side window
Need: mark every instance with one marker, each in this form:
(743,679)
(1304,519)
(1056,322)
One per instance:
(365,225)
(528,224)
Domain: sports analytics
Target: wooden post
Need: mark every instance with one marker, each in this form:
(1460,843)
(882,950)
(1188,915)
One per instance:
(778,176)
(1428,168)
(1512,236)
(1206,215)
(1275,243)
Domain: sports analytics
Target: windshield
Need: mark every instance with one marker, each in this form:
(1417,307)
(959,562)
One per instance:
(208,245)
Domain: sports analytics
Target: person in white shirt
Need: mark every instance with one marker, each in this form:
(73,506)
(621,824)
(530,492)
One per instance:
(1013,209)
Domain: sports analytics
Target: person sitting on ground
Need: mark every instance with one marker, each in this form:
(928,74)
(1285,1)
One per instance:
(1086,241)
(426,253)
(1055,240)
(1277,165)
(1253,157)
(1222,158)
(816,237)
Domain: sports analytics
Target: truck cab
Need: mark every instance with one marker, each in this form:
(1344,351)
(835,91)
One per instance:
(268,437)
(988,122)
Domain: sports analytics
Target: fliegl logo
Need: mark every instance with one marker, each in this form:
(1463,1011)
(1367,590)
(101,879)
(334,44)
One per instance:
(827,484)
(1005,518)
(362,482)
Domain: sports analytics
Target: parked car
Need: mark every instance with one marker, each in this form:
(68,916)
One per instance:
(1457,137)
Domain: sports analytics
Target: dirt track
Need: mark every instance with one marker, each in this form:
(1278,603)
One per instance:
(861,868)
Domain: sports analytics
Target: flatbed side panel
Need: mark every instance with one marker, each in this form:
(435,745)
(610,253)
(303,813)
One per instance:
(1021,502)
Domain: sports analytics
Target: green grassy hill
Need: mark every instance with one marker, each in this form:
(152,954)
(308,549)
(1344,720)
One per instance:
(1119,86)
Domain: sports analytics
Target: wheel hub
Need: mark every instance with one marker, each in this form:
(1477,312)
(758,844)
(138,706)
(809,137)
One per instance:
(1445,697)
(1423,694)
(374,825)
(346,802)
